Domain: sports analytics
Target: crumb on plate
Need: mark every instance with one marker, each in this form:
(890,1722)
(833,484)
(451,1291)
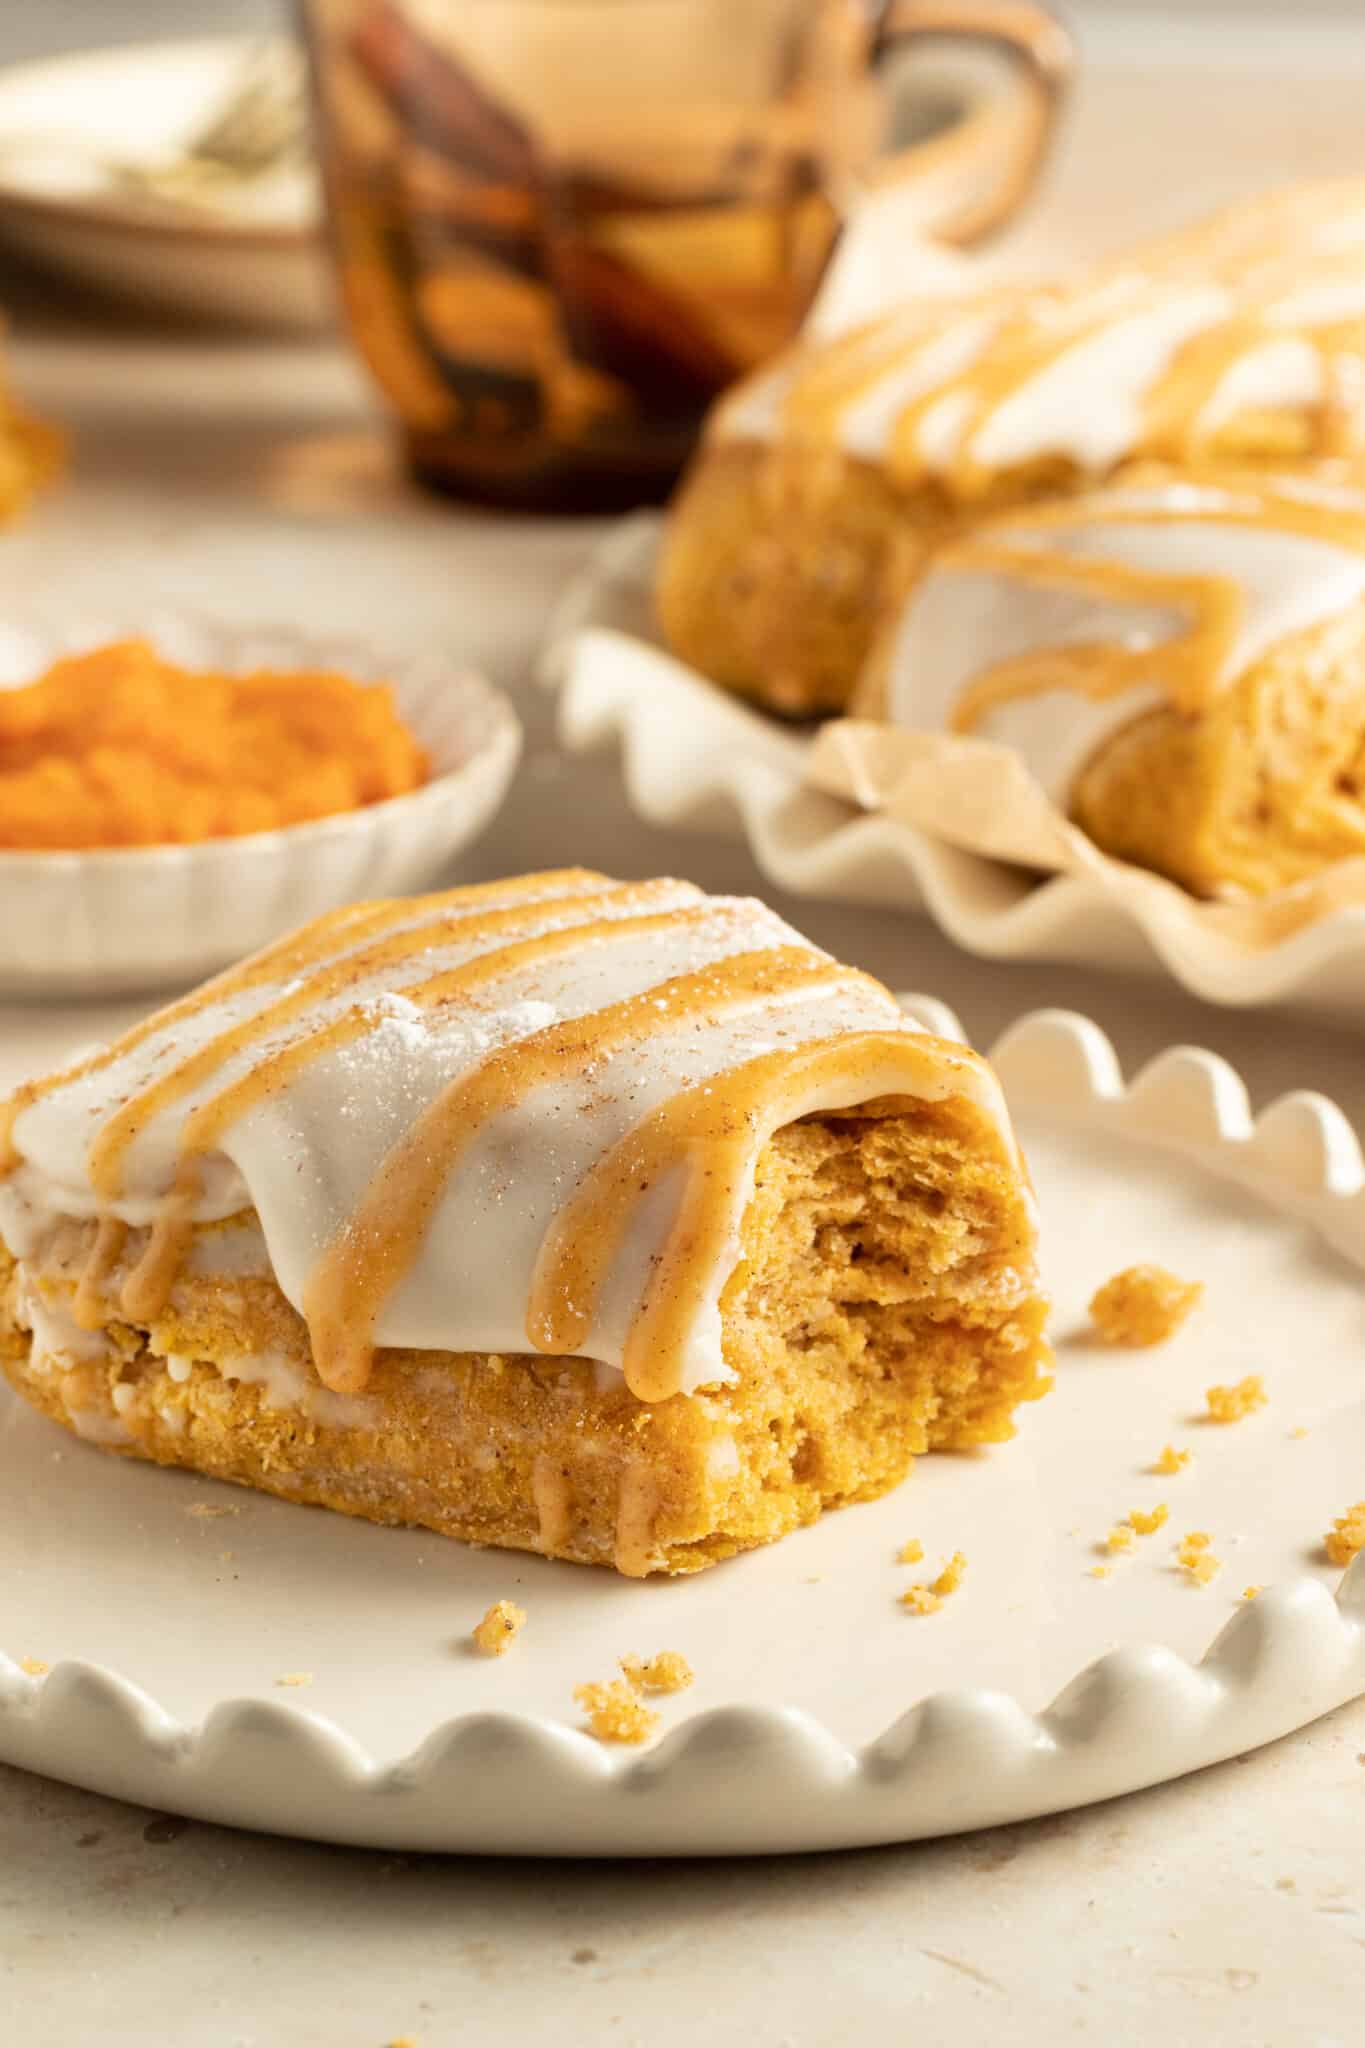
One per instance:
(1120,1537)
(921,1600)
(1194,1556)
(1230,1404)
(1250,1592)
(1143,1305)
(34,1666)
(1171,1461)
(911,1552)
(1146,1521)
(615,1711)
(1346,1537)
(499,1628)
(295,1678)
(1101,1571)
(669,1671)
(210,1510)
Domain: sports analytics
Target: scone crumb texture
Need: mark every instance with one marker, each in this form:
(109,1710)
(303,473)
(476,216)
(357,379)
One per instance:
(669,1671)
(1346,1537)
(1171,1461)
(1120,1537)
(1250,1592)
(910,1553)
(1143,1305)
(34,1666)
(1231,1404)
(1146,1521)
(499,1628)
(295,1678)
(615,1712)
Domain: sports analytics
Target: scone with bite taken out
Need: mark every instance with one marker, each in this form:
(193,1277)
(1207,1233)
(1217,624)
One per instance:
(608,1220)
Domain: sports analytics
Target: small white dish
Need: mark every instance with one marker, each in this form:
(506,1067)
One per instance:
(63,119)
(693,755)
(216,1653)
(133,918)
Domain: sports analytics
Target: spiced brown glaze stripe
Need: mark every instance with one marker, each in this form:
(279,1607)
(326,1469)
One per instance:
(715,1132)
(372,1254)
(287,957)
(147,1287)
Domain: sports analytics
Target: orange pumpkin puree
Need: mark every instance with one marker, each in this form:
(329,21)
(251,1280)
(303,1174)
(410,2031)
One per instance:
(120,747)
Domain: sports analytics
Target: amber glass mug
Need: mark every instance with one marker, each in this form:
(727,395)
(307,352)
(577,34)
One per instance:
(562,227)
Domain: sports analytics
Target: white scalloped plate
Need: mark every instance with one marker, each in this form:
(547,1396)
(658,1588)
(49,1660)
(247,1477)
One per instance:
(693,756)
(823,1714)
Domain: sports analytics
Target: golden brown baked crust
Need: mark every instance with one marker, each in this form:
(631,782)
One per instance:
(886,1305)
(1264,789)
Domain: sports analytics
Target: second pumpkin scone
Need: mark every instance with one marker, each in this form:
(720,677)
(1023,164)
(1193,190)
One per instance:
(609,1220)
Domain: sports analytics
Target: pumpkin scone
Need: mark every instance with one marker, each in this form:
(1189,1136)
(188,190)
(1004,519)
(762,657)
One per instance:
(608,1220)
(1179,662)
(825,482)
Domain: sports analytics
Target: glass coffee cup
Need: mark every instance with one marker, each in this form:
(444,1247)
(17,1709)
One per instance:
(562,227)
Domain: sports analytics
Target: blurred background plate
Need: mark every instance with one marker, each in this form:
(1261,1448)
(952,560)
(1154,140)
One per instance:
(94,184)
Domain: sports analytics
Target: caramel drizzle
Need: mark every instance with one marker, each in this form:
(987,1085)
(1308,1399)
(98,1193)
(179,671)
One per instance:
(288,956)
(372,1253)
(87,1306)
(148,1285)
(1049,323)
(552,1496)
(637,1509)
(712,1133)
(1097,668)
(108,1153)
(1192,660)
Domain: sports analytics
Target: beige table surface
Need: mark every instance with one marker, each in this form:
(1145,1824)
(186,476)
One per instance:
(1229,1908)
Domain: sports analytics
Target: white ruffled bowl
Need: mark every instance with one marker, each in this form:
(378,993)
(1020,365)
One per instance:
(132,918)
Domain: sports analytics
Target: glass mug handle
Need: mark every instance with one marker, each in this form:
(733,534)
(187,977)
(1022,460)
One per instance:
(974,177)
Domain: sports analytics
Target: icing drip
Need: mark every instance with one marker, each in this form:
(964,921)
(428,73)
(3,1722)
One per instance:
(542,1136)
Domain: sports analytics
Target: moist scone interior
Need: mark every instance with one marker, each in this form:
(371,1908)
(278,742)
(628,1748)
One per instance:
(885,1305)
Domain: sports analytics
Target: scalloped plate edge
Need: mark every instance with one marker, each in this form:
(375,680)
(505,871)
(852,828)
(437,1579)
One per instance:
(741,1780)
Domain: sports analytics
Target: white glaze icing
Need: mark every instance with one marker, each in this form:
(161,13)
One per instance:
(1067,373)
(304,1154)
(964,618)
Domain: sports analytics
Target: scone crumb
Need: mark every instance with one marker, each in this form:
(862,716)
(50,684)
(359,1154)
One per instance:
(1230,1404)
(1250,1592)
(295,1678)
(1101,1571)
(1171,1461)
(615,1712)
(910,1553)
(1346,1537)
(1299,1433)
(1120,1537)
(34,1666)
(1147,1521)
(1143,1305)
(951,1577)
(921,1600)
(669,1671)
(210,1510)
(499,1628)
(1194,1556)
